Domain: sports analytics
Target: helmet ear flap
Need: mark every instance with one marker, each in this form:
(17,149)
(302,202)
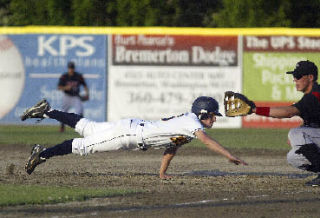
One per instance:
(203,114)
(203,111)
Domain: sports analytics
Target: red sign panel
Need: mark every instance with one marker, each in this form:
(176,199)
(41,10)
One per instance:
(173,50)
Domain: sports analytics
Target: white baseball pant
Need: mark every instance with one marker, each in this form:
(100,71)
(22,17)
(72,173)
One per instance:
(106,136)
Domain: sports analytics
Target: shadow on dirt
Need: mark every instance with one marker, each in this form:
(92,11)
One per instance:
(221,173)
(205,203)
(211,173)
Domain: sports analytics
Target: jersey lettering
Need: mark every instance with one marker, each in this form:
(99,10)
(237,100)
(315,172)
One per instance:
(74,81)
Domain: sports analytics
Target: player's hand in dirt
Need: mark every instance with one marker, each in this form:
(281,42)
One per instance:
(165,177)
(237,161)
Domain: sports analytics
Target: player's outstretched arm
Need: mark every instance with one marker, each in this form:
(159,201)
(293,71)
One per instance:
(216,147)
(277,112)
(166,159)
(237,104)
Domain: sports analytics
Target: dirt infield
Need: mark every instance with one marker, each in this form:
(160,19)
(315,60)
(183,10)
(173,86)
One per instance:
(204,185)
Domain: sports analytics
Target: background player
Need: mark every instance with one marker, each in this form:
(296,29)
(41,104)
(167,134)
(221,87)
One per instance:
(304,140)
(70,83)
(131,133)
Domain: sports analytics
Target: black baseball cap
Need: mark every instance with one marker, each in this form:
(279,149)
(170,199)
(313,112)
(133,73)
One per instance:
(305,68)
(71,65)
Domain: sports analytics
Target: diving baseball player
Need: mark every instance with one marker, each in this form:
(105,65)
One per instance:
(132,133)
(70,83)
(304,140)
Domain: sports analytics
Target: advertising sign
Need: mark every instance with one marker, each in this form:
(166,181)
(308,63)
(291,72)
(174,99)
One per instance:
(266,60)
(32,64)
(154,76)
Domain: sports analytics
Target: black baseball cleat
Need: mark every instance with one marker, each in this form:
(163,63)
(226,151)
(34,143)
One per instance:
(35,159)
(314,183)
(36,111)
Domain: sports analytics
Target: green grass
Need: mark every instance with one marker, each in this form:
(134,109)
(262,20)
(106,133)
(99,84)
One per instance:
(33,194)
(34,134)
(270,139)
(266,139)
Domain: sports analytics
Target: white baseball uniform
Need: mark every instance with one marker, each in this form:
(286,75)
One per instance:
(134,133)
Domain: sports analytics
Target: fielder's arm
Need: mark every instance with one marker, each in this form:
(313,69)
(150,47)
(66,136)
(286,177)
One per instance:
(280,112)
(237,104)
(64,88)
(166,159)
(86,89)
(216,147)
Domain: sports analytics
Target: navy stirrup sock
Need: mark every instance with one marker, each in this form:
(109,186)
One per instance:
(60,149)
(67,118)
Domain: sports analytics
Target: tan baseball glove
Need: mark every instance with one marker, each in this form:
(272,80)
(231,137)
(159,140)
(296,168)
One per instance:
(236,104)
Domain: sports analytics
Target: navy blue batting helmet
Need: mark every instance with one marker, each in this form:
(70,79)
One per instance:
(204,105)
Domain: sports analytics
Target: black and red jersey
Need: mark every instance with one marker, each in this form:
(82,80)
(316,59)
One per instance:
(75,81)
(309,107)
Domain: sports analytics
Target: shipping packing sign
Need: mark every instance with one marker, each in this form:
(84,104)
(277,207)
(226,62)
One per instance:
(156,76)
(265,63)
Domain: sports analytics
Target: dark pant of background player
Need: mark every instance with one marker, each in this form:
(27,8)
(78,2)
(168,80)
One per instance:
(305,152)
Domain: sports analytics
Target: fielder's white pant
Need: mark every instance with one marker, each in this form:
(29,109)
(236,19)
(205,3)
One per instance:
(106,136)
(74,102)
(299,137)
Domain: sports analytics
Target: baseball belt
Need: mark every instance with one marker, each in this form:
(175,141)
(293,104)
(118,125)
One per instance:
(139,136)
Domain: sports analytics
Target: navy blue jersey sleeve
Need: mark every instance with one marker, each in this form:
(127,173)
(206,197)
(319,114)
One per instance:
(62,81)
(82,80)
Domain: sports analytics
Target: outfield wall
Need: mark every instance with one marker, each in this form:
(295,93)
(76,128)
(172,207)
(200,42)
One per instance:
(153,72)
(30,67)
